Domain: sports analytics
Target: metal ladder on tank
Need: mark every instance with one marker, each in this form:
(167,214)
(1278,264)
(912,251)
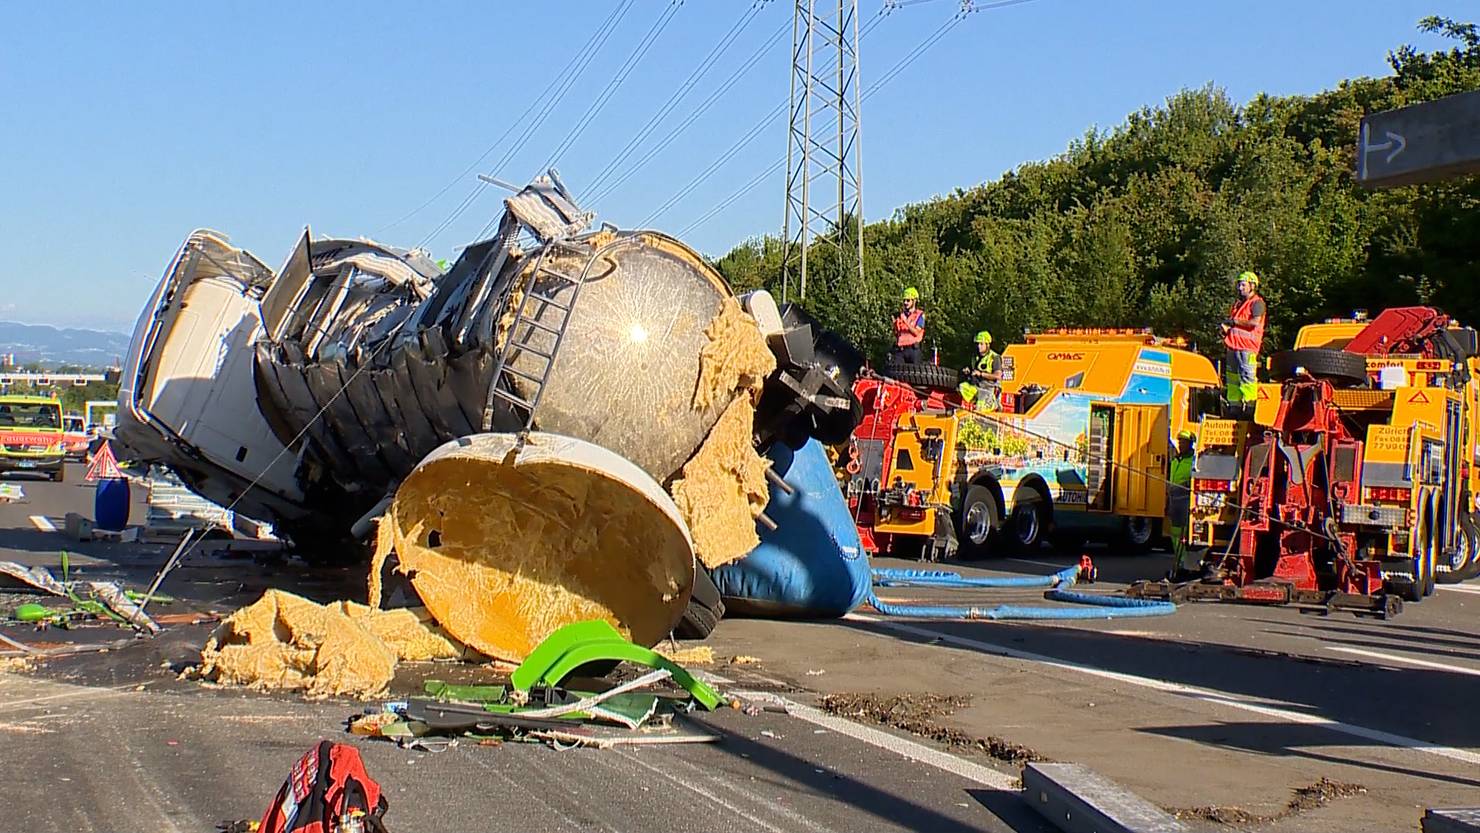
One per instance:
(526,324)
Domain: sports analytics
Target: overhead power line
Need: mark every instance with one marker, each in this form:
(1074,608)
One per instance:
(584,61)
(611,86)
(513,123)
(888,76)
(683,90)
(688,120)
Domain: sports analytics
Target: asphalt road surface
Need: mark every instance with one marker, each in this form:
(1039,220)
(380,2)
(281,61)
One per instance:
(1221,712)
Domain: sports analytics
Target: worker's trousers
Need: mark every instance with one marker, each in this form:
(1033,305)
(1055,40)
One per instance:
(1240,382)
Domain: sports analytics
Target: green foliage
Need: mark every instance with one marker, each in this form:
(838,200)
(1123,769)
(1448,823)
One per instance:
(1146,223)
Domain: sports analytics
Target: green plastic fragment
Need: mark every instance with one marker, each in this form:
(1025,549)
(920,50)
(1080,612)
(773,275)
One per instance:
(31,612)
(581,643)
(441,690)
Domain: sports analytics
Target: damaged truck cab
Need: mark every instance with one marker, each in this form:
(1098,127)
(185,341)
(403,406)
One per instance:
(1080,449)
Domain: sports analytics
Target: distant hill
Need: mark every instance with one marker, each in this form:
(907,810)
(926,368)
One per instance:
(53,345)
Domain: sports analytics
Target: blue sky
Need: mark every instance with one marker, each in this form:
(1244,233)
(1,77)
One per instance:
(128,125)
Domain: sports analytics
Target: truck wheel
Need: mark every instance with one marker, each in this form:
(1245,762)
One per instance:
(60,475)
(1338,366)
(1137,535)
(1028,522)
(1470,548)
(705,609)
(976,523)
(1430,560)
(924,375)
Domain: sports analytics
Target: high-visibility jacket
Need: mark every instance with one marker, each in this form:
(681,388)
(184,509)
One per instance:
(1179,495)
(1247,340)
(902,335)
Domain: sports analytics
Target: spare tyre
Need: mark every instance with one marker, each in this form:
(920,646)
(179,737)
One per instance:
(1337,366)
(924,375)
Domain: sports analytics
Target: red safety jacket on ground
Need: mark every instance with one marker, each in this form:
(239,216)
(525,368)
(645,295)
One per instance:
(902,335)
(1248,340)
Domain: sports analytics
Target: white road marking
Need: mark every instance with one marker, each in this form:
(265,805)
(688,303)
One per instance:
(1204,694)
(698,790)
(43,523)
(1460,588)
(986,776)
(102,692)
(1402,660)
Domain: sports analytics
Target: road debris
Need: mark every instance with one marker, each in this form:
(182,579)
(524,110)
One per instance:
(916,714)
(693,655)
(1309,797)
(286,642)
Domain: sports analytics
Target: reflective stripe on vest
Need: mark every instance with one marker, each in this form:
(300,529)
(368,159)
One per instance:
(1240,339)
(906,338)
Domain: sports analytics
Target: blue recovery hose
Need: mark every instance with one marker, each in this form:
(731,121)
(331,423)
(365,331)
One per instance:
(885,577)
(1095,606)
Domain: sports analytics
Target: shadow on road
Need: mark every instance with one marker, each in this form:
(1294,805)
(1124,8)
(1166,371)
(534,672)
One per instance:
(1289,739)
(1372,696)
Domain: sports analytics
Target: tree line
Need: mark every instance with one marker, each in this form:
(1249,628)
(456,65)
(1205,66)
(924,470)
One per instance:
(1145,225)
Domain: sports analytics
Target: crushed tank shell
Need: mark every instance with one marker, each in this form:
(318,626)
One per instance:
(505,544)
(626,375)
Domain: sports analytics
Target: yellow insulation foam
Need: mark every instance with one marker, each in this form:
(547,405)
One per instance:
(723,487)
(735,359)
(286,642)
(505,554)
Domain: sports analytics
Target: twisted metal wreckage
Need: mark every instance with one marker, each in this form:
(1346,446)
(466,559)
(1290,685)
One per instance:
(306,396)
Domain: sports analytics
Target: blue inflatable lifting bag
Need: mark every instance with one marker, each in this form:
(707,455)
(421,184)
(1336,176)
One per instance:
(812,565)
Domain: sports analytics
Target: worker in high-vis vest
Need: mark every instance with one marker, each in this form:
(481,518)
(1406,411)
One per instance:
(909,329)
(1243,336)
(982,386)
(1179,504)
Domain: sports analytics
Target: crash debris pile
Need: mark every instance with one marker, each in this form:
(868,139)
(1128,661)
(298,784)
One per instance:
(537,706)
(286,642)
(723,487)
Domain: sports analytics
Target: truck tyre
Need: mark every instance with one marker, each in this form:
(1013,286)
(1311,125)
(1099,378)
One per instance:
(976,523)
(705,609)
(1337,366)
(1470,548)
(1137,535)
(60,475)
(1430,559)
(924,375)
(1028,523)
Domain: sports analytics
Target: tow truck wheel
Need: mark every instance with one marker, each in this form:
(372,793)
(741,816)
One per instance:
(1027,524)
(1470,549)
(1430,560)
(976,521)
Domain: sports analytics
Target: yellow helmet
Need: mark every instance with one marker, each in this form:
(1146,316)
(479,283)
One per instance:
(911,294)
(1186,434)
(983,337)
(1248,277)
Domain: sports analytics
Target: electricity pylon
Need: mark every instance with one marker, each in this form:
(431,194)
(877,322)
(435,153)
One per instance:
(824,187)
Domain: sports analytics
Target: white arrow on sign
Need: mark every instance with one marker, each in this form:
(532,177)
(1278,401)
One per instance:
(1395,143)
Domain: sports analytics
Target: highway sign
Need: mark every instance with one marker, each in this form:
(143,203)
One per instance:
(1421,143)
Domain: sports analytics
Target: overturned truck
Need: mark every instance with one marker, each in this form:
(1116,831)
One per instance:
(553,428)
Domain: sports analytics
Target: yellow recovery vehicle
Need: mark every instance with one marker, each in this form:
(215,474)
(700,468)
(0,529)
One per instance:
(1080,449)
(31,437)
(1355,482)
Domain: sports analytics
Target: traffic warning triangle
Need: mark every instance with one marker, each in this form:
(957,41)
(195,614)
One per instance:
(1263,394)
(1419,397)
(104,465)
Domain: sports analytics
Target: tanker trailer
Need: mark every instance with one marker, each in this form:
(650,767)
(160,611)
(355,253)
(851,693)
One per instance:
(362,382)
